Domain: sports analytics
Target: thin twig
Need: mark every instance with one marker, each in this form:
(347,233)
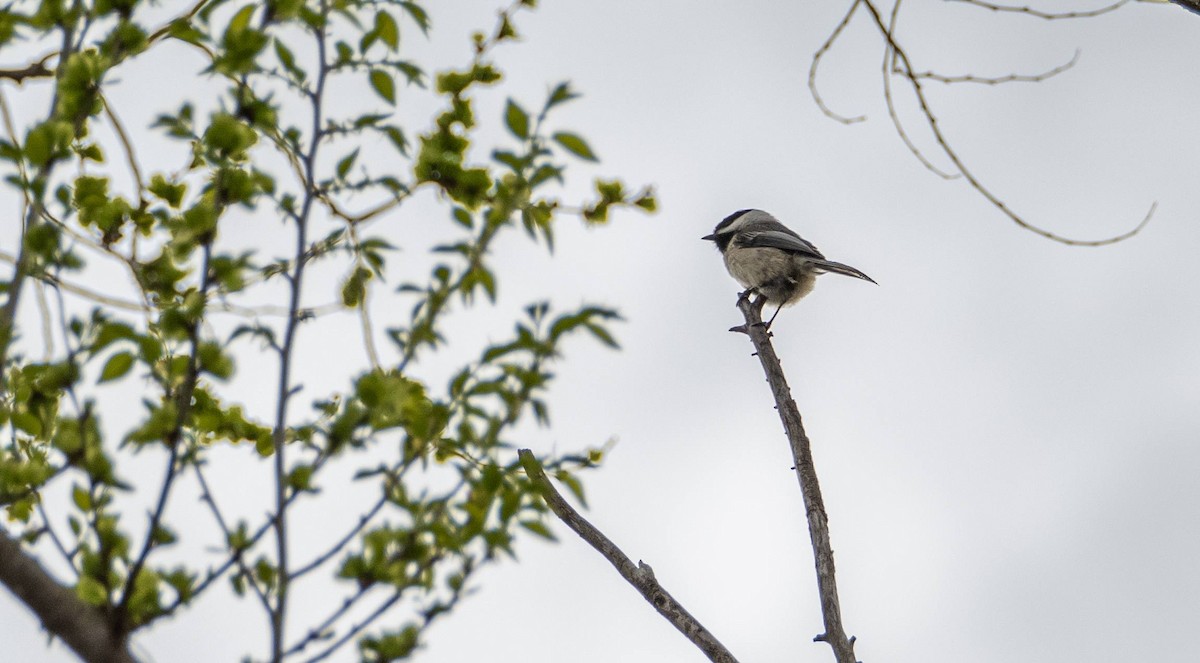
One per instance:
(173,440)
(1049,16)
(641,576)
(944,144)
(126,145)
(994,80)
(816,62)
(44,313)
(888,56)
(206,496)
(324,629)
(234,557)
(36,70)
(357,628)
(10,129)
(806,472)
(52,280)
(296,278)
(341,543)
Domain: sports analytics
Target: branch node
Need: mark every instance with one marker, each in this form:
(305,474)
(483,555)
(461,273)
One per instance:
(645,571)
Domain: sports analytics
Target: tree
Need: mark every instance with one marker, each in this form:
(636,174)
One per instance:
(147,292)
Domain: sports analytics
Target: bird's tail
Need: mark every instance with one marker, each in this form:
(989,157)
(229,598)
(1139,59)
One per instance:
(839,268)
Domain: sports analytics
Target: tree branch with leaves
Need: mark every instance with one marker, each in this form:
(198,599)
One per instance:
(264,137)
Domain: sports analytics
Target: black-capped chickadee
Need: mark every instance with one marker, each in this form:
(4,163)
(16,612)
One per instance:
(767,257)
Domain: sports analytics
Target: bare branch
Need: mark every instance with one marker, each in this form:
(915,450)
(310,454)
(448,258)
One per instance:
(816,62)
(35,70)
(357,628)
(640,576)
(889,64)
(1049,16)
(182,394)
(997,80)
(975,183)
(278,615)
(39,291)
(349,536)
(126,145)
(806,472)
(206,496)
(96,297)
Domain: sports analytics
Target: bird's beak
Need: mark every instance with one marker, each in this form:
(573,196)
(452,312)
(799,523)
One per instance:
(711,238)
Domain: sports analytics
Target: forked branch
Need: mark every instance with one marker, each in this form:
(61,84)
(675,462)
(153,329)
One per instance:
(897,63)
(82,627)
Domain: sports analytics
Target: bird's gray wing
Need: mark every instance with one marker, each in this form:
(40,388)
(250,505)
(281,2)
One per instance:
(776,239)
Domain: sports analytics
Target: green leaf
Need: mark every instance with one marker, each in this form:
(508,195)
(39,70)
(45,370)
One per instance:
(116,366)
(562,93)
(355,287)
(300,478)
(287,59)
(539,528)
(419,16)
(48,140)
(572,482)
(647,201)
(241,20)
(385,27)
(602,335)
(574,144)
(90,591)
(83,500)
(517,120)
(384,85)
(344,166)
(213,361)
(91,152)
(170,192)
(396,136)
(241,44)
(463,217)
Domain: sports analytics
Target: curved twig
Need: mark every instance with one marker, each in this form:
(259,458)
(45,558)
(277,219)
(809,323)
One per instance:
(889,55)
(816,62)
(975,183)
(996,80)
(206,496)
(1037,13)
(126,145)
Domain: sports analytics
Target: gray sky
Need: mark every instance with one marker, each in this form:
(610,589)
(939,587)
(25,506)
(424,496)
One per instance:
(1006,429)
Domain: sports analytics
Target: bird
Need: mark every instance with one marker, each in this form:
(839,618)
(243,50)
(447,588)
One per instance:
(770,259)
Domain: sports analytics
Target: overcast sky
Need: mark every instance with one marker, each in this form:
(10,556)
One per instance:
(1006,429)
